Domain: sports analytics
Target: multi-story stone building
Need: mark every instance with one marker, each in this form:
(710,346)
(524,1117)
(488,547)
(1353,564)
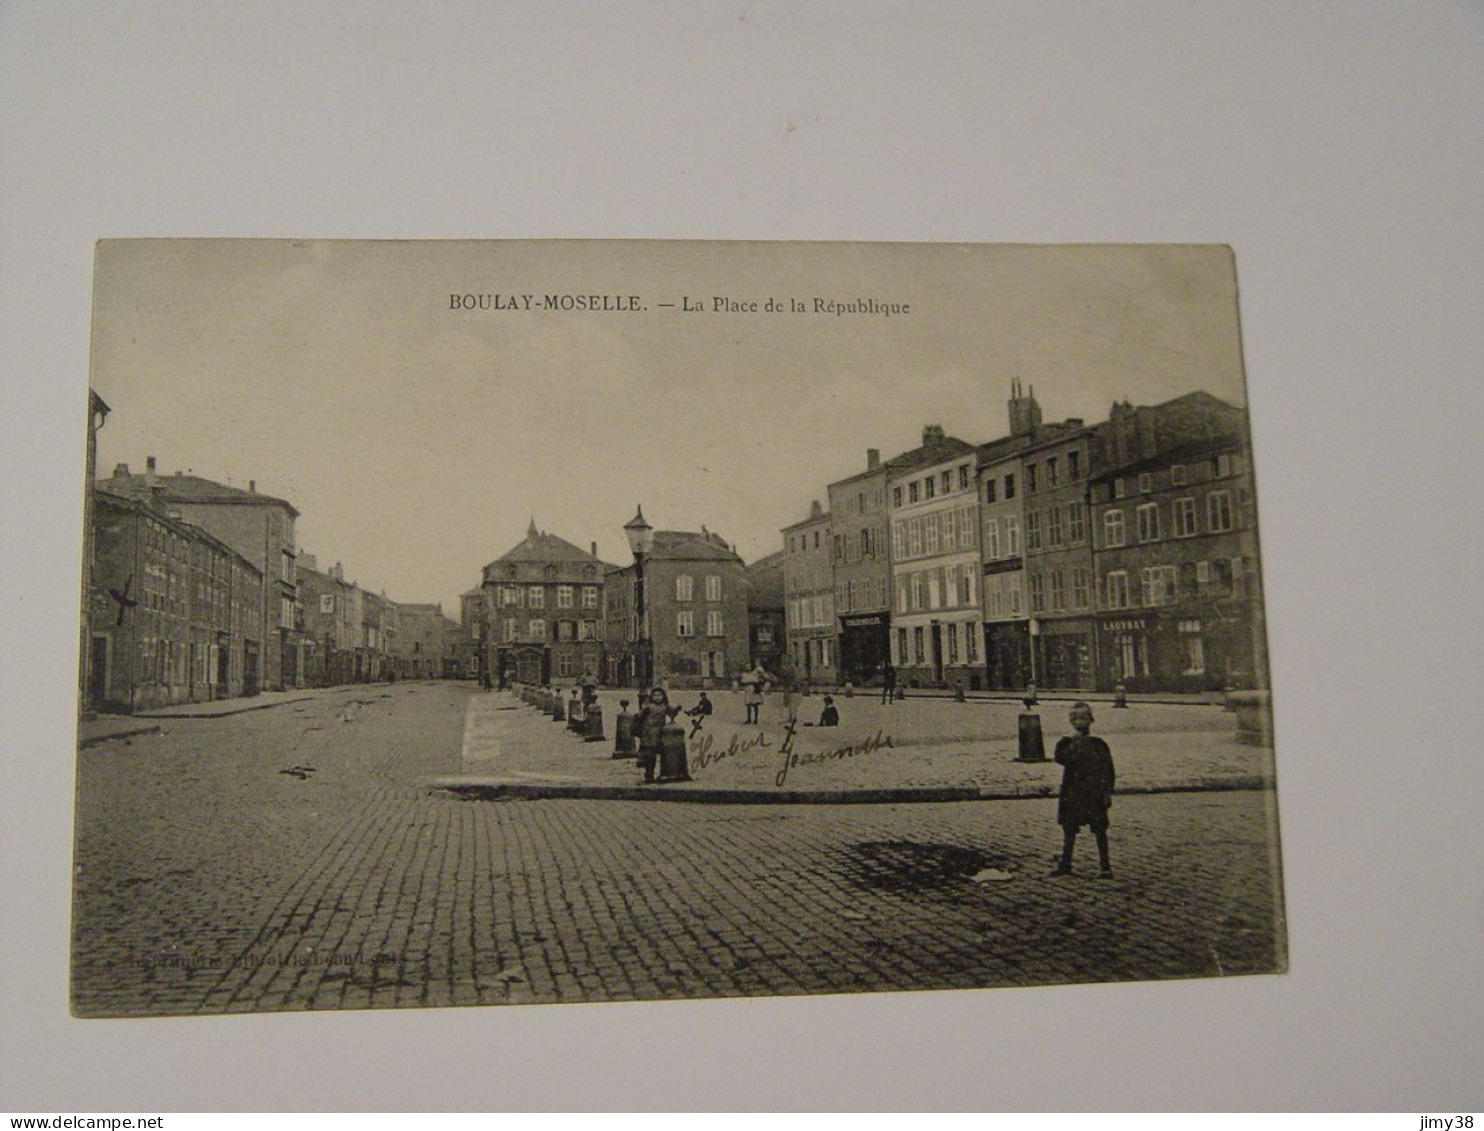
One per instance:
(861,558)
(694,632)
(331,622)
(809,597)
(260,528)
(1058,555)
(473,652)
(1176,550)
(97,413)
(1007,642)
(765,620)
(936,568)
(545,600)
(175,611)
(425,642)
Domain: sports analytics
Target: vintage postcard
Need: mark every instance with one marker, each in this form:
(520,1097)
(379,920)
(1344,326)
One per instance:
(484,623)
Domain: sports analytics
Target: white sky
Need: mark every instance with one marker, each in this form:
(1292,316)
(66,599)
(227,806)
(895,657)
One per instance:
(417,442)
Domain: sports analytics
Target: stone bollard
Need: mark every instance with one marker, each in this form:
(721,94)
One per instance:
(558,709)
(1032,748)
(623,735)
(1120,695)
(1254,717)
(958,693)
(594,724)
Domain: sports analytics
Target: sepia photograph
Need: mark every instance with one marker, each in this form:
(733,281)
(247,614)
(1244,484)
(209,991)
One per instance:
(477,623)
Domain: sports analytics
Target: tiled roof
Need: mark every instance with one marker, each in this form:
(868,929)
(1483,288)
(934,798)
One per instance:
(183,488)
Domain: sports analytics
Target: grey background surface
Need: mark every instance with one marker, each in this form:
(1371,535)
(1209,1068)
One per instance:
(1336,147)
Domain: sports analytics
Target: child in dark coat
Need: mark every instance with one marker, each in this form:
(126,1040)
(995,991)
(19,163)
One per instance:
(829,717)
(1086,789)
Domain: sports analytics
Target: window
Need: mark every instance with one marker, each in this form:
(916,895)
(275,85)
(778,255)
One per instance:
(1219,511)
(589,596)
(1076,523)
(1074,466)
(1118,488)
(916,583)
(914,537)
(951,630)
(1038,593)
(1030,479)
(912,491)
(536,630)
(966,537)
(1184,517)
(1222,466)
(940,594)
(565,631)
(896,496)
(901,595)
(564,664)
(285,612)
(564,596)
(963,477)
(705,665)
(536,597)
(713,623)
(1051,472)
(816,539)
(713,587)
(685,624)
(967,574)
(1146,483)
(947,482)
(512,629)
(1010,486)
(971,643)
(929,488)
(1148,518)
(1033,531)
(991,538)
(1053,526)
(286,567)
(1195,653)
(1113,532)
(898,540)
(865,539)
(839,548)
(899,647)
(1117,590)
(919,653)
(1221,576)
(1012,588)
(1177,474)
(1012,535)
(684,587)
(1080,587)
(1058,590)
(950,533)
(930,532)
(1158,584)
(989,490)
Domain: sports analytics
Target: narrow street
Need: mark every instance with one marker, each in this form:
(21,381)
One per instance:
(291,858)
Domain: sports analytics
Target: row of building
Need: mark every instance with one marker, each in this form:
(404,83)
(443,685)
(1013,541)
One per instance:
(1062,554)
(195,590)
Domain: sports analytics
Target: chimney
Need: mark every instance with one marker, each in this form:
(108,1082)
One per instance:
(120,470)
(252,486)
(873,458)
(932,435)
(149,465)
(815,510)
(1074,422)
(594,550)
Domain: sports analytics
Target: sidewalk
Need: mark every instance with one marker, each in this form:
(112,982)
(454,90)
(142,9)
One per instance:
(104,728)
(914,750)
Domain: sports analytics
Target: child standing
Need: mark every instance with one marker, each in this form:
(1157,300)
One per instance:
(1086,789)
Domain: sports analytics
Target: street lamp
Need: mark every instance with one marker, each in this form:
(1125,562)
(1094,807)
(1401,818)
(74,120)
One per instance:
(641,542)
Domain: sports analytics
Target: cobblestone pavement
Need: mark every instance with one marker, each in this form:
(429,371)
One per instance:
(934,742)
(286,859)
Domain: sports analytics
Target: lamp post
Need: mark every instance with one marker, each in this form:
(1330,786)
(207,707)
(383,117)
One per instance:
(641,542)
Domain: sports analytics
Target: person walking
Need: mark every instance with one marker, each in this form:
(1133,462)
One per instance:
(788,683)
(1086,788)
(888,683)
